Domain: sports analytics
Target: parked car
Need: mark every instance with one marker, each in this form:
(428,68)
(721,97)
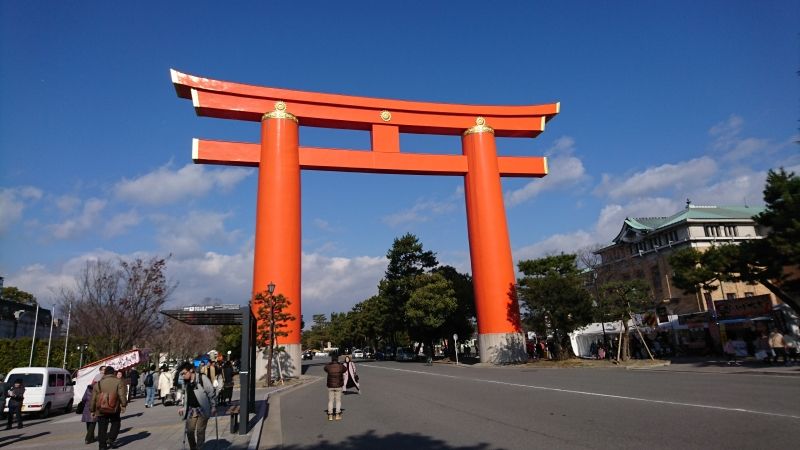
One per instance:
(46,389)
(308,354)
(404,354)
(321,353)
(380,356)
(358,353)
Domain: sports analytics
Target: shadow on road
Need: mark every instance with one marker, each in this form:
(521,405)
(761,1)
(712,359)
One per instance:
(215,444)
(394,441)
(17,438)
(127,439)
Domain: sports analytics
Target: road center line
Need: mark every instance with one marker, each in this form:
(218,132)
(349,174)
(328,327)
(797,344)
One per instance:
(593,394)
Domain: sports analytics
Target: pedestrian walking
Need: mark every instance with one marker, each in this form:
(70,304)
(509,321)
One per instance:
(350,375)
(778,346)
(227,382)
(730,352)
(109,399)
(335,371)
(165,380)
(121,377)
(200,395)
(15,397)
(149,387)
(791,347)
(134,377)
(86,415)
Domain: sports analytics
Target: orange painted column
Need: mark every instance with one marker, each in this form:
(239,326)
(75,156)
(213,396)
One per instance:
(490,250)
(277,236)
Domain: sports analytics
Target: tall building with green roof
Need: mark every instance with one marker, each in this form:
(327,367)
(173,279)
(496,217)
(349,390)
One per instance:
(641,249)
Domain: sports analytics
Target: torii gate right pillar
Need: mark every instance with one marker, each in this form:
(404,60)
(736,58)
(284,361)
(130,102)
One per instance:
(499,335)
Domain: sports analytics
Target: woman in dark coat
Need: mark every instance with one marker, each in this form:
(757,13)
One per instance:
(227,382)
(87,414)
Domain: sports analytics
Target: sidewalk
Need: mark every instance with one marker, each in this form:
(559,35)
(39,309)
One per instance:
(157,428)
(712,364)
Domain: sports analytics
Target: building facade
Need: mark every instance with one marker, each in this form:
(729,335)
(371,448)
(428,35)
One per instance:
(641,251)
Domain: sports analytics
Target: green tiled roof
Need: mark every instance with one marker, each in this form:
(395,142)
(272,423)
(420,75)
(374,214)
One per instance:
(692,213)
(706,213)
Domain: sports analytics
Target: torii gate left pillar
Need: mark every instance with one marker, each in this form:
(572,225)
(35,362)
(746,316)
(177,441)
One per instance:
(280,160)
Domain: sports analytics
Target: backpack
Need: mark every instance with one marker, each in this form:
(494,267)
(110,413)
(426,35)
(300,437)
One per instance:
(108,402)
(148,380)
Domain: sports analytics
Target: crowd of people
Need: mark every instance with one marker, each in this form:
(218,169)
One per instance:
(196,387)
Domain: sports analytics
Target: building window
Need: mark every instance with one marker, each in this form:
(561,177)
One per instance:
(730,296)
(672,236)
(731,231)
(748,294)
(711,231)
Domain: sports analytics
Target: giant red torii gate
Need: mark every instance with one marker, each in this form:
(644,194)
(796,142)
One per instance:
(280,160)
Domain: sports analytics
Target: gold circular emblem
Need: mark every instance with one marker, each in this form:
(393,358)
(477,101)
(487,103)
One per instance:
(280,106)
(386,115)
(480,121)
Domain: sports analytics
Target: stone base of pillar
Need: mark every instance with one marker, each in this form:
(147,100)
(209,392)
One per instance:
(502,348)
(290,362)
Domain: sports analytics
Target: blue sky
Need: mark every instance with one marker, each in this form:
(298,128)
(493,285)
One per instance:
(660,101)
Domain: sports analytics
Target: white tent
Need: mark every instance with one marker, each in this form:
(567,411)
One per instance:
(85,375)
(582,338)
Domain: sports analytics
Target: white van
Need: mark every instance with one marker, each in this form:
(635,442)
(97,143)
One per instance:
(46,389)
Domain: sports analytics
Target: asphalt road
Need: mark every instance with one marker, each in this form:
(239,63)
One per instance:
(444,407)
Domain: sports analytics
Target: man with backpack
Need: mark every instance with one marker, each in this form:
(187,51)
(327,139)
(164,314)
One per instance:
(109,399)
(199,405)
(149,387)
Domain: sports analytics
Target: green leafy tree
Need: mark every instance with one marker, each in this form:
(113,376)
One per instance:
(459,321)
(775,260)
(318,334)
(554,298)
(703,271)
(620,299)
(407,260)
(430,305)
(230,339)
(272,320)
(13,294)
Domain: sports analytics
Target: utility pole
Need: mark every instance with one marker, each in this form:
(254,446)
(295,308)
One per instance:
(33,341)
(66,340)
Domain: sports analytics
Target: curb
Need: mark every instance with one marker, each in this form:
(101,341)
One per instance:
(255,438)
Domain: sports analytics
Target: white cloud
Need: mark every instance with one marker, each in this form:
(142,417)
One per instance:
(120,223)
(13,202)
(564,170)
(190,235)
(68,203)
(422,211)
(165,186)
(84,221)
(728,142)
(745,188)
(555,244)
(337,283)
(605,228)
(330,283)
(670,177)
(45,284)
